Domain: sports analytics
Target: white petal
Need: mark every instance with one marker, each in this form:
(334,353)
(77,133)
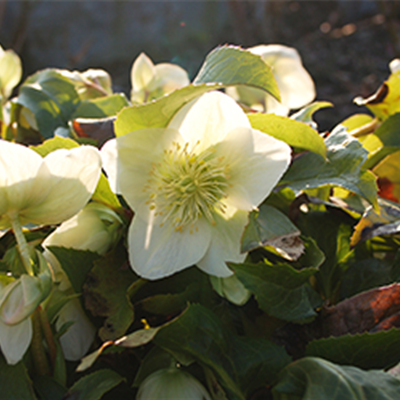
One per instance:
(142,72)
(208,119)
(79,337)
(156,252)
(128,161)
(15,340)
(295,83)
(109,156)
(256,163)
(21,173)
(224,245)
(74,177)
(170,77)
(10,72)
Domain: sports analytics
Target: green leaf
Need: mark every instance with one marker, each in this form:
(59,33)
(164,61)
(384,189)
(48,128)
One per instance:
(271,227)
(105,293)
(385,102)
(294,133)
(75,263)
(313,378)
(51,97)
(388,137)
(15,382)
(54,144)
(379,350)
(306,114)
(94,386)
(103,194)
(280,290)
(240,364)
(364,275)
(101,107)
(158,113)
(332,235)
(48,388)
(343,167)
(231,65)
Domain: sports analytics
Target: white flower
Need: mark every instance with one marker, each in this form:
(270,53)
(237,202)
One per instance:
(151,81)
(192,185)
(10,72)
(295,85)
(45,190)
(171,384)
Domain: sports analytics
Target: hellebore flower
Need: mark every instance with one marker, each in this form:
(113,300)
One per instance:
(172,384)
(295,84)
(45,191)
(151,81)
(192,185)
(10,72)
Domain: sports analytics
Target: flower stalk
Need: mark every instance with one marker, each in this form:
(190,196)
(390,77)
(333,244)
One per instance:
(22,244)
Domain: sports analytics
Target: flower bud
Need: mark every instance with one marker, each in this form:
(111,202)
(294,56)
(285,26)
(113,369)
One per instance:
(20,298)
(94,228)
(171,384)
(151,81)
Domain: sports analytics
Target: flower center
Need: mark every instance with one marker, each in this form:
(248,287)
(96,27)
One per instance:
(185,186)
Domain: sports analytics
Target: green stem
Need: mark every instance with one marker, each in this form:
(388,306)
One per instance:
(48,335)
(21,242)
(38,353)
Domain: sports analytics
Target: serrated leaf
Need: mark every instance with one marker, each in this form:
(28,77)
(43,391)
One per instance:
(105,293)
(313,378)
(15,382)
(280,290)
(378,350)
(364,275)
(75,263)
(294,133)
(54,144)
(343,167)
(158,113)
(94,386)
(271,227)
(240,364)
(231,65)
(51,97)
(101,107)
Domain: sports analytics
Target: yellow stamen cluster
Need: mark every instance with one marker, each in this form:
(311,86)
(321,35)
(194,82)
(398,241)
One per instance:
(186,186)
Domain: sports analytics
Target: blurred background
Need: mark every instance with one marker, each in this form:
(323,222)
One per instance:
(345,45)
